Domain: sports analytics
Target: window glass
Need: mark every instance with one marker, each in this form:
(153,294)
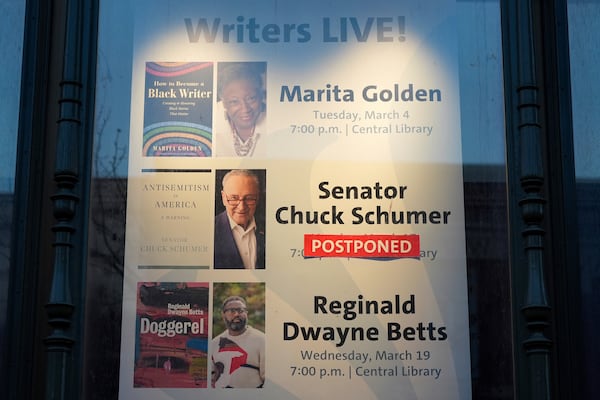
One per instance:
(482,121)
(482,116)
(108,204)
(11,47)
(584,34)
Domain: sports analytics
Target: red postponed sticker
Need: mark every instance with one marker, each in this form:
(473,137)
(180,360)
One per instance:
(364,246)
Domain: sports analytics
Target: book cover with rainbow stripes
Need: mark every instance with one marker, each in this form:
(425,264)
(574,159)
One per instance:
(178,103)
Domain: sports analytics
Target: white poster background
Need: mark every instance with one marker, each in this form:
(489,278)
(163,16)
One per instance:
(305,146)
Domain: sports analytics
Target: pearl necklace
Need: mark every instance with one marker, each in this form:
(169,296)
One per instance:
(242,148)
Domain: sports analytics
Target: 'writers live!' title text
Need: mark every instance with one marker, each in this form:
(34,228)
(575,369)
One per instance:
(333,30)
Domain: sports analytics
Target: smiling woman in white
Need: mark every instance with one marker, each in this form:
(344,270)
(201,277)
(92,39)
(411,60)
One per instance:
(240,117)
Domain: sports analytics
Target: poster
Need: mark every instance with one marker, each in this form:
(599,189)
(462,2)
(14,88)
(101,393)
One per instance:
(317,201)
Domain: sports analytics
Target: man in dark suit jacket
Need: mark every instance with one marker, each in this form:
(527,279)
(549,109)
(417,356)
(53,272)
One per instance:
(239,242)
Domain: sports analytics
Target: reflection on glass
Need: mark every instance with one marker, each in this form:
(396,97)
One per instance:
(108,194)
(584,34)
(482,121)
(11,31)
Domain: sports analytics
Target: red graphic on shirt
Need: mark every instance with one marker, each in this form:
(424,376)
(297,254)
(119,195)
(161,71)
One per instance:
(238,356)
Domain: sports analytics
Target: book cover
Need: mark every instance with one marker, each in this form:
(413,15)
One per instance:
(171,335)
(178,108)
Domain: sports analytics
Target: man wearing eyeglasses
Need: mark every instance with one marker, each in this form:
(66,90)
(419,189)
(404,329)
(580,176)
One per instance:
(239,242)
(238,354)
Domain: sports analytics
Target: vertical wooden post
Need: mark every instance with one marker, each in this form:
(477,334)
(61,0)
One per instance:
(527,188)
(60,306)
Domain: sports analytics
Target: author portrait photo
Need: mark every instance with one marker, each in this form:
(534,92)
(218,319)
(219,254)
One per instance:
(239,241)
(237,352)
(240,121)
